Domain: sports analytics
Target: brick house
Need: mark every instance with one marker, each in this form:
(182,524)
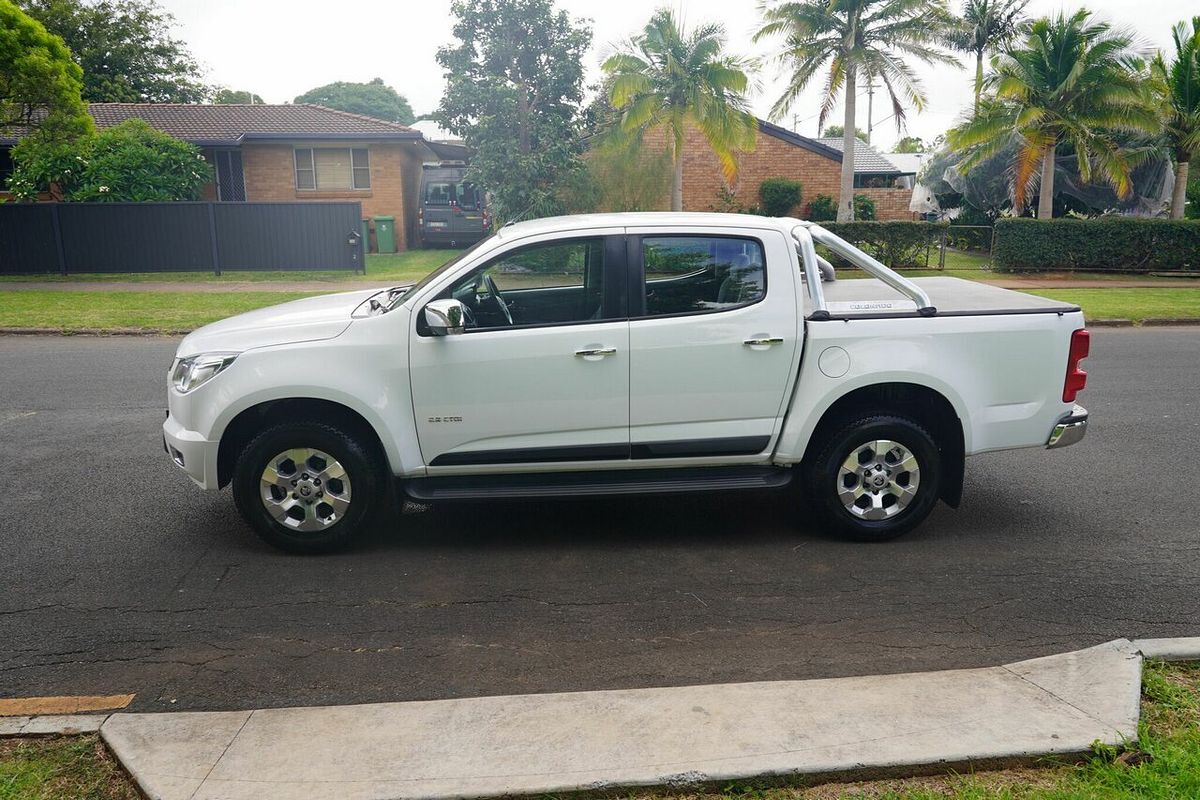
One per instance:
(291,153)
(780,153)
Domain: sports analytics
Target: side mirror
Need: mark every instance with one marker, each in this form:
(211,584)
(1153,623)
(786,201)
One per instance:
(445,317)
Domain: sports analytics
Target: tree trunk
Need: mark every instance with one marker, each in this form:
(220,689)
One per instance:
(978,78)
(523,118)
(1046,190)
(846,193)
(1179,196)
(677,176)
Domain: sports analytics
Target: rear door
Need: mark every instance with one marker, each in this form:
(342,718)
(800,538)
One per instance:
(466,218)
(714,341)
(437,204)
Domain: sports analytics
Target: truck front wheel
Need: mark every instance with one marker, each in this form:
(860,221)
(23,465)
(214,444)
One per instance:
(877,478)
(308,487)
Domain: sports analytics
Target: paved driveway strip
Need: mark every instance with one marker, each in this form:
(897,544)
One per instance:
(536,744)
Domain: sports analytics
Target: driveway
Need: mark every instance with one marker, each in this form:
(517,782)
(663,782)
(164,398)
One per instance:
(117,575)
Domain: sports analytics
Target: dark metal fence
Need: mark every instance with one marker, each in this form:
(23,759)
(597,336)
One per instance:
(179,237)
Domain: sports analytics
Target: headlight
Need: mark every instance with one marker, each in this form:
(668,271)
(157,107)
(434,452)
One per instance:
(188,373)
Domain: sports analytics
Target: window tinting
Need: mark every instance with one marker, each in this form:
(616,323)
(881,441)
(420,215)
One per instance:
(695,274)
(439,193)
(546,284)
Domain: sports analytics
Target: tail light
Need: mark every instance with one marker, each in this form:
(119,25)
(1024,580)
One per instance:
(1081,342)
(420,217)
(487,220)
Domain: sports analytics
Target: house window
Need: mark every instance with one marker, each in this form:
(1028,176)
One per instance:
(332,169)
(6,166)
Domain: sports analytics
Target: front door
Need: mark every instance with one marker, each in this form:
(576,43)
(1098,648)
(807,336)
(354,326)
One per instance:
(714,339)
(541,375)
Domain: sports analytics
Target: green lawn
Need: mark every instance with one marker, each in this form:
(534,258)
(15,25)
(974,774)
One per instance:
(153,311)
(405,267)
(66,768)
(1164,765)
(1133,304)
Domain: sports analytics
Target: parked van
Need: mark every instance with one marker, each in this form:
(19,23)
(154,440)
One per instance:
(452,211)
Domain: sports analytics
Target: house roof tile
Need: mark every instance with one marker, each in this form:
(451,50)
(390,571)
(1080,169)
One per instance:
(231,124)
(867,159)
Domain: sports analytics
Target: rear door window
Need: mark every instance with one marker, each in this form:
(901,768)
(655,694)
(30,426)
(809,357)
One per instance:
(701,274)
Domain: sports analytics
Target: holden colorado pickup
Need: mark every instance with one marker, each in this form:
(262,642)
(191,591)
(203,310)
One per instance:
(625,353)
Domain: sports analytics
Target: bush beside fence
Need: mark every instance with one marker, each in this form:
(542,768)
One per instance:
(1117,244)
(895,243)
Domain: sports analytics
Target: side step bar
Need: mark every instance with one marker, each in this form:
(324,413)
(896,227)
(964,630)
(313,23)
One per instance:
(595,484)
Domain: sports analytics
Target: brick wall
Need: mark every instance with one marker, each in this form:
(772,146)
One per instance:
(270,177)
(890,204)
(703,178)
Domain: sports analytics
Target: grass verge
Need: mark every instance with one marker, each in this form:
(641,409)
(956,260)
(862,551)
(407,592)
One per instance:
(1165,765)
(406,267)
(1133,304)
(150,311)
(61,768)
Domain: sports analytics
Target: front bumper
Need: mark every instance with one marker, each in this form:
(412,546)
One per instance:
(192,453)
(1070,429)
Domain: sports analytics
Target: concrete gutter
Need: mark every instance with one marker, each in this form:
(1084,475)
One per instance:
(536,744)
(1184,648)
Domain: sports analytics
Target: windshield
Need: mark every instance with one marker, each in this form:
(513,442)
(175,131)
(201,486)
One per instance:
(421,284)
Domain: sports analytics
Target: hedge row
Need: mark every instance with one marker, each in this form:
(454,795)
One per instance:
(1119,244)
(896,243)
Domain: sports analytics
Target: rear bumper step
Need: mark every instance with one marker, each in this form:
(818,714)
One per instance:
(596,484)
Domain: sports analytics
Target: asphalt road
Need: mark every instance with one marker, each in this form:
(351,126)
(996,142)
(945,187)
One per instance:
(117,575)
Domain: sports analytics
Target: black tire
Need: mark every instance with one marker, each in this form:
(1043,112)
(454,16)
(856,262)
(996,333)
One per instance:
(365,470)
(822,478)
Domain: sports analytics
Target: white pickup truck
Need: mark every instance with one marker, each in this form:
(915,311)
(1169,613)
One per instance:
(625,353)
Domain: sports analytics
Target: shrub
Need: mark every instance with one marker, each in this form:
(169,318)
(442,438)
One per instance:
(130,162)
(779,196)
(821,209)
(896,243)
(864,208)
(1119,244)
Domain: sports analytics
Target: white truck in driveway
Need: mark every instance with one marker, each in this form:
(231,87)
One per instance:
(625,353)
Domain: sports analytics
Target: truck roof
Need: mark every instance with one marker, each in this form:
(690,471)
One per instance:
(631,218)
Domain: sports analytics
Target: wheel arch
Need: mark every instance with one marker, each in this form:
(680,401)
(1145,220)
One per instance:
(249,421)
(924,405)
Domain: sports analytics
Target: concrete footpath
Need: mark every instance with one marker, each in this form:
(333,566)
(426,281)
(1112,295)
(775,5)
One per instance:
(533,744)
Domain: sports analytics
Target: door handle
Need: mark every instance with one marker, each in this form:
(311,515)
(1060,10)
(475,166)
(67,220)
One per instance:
(764,341)
(596,351)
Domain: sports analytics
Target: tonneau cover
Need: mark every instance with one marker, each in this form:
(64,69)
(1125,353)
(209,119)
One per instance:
(865,298)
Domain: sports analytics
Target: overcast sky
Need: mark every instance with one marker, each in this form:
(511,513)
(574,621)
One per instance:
(282,48)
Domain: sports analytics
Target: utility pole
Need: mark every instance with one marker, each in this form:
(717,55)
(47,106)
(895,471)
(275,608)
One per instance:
(870,105)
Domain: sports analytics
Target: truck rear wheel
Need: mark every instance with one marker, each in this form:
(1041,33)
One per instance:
(877,478)
(308,487)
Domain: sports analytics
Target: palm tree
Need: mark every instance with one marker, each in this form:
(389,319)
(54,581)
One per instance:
(986,25)
(841,38)
(1178,85)
(1070,80)
(666,77)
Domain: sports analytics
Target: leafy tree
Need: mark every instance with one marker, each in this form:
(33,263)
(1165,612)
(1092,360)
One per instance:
(374,99)
(40,84)
(910,144)
(514,83)
(839,132)
(985,26)
(822,208)
(1178,89)
(236,96)
(125,48)
(129,162)
(864,207)
(671,79)
(1071,80)
(841,38)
